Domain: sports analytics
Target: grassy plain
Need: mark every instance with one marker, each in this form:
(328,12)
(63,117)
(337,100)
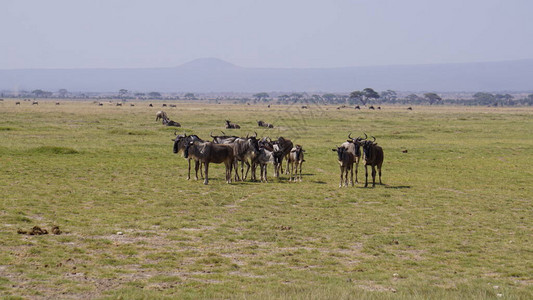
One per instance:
(453,220)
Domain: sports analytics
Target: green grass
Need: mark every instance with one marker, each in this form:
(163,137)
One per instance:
(453,220)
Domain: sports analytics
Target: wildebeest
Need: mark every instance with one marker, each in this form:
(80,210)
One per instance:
(160,115)
(34,103)
(244,150)
(208,152)
(131,104)
(346,160)
(230,125)
(373,158)
(263,158)
(180,143)
(172,105)
(409,108)
(17,103)
(264,124)
(371,107)
(304,107)
(168,122)
(353,145)
(296,158)
(379,107)
(164,105)
(57,103)
(150,105)
(119,104)
(100,104)
(357,107)
(284,145)
(223,139)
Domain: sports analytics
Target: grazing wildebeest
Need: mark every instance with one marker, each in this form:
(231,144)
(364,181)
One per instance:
(264,124)
(168,122)
(119,104)
(17,103)
(284,145)
(208,152)
(379,107)
(131,104)
(100,104)
(160,115)
(172,105)
(346,160)
(164,105)
(230,125)
(34,103)
(244,150)
(357,107)
(180,143)
(150,105)
(373,158)
(57,103)
(409,108)
(304,107)
(371,107)
(263,158)
(296,158)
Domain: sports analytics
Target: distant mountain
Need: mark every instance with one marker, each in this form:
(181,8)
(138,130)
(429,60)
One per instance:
(215,75)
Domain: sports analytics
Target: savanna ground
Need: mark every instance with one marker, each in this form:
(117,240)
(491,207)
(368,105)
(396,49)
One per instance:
(453,220)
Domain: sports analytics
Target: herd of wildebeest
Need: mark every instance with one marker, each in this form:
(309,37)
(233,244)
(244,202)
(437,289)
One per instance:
(253,151)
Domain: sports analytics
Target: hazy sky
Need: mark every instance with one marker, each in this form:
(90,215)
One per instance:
(268,33)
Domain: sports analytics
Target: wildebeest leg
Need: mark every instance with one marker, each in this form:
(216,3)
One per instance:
(206,171)
(247,169)
(189,173)
(228,171)
(379,170)
(356,167)
(236,166)
(373,176)
(342,171)
(366,175)
(300,164)
(351,175)
(252,176)
(287,171)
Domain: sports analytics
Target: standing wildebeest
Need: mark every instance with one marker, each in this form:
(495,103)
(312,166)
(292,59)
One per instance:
(357,107)
(180,143)
(160,115)
(244,150)
(354,147)
(374,158)
(208,152)
(150,105)
(119,104)
(371,107)
(232,125)
(284,145)
(346,160)
(57,103)
(34,103)
(17,103)
(409,108)
(264,124)
(296,158)
(263,158)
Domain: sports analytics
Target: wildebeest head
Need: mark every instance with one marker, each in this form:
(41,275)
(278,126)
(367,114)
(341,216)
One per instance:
(340,152)
(367,146)
(180,139)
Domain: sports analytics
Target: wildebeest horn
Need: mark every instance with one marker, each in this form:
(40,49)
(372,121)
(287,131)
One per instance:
(366,136)
(211,134)
(175,132)
(223,133)
(255,134)
(374,138)
(350,135)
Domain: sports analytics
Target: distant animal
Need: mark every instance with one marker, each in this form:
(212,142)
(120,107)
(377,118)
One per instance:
(409,108)
(296,159)
(100,104)
(17,103)
(379,107)
(404,151)
(131,104)
(357,107)
(164,105)
(264,124)
(168,122)
(160,115)
(172,105)
(150,105)
(373,158)
(57,103)
(304,107)
(119,104)
(208,152)
(230,125)
(34,103)
(268,106)
(346,160)
(371,107)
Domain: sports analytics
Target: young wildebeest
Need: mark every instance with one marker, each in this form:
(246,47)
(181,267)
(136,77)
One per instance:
(354,147)
(244,150)
(160,115)
(230,125)
(346,160)
(180,143)
(373,158)
(296,158)
(208,152)
(264,124)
